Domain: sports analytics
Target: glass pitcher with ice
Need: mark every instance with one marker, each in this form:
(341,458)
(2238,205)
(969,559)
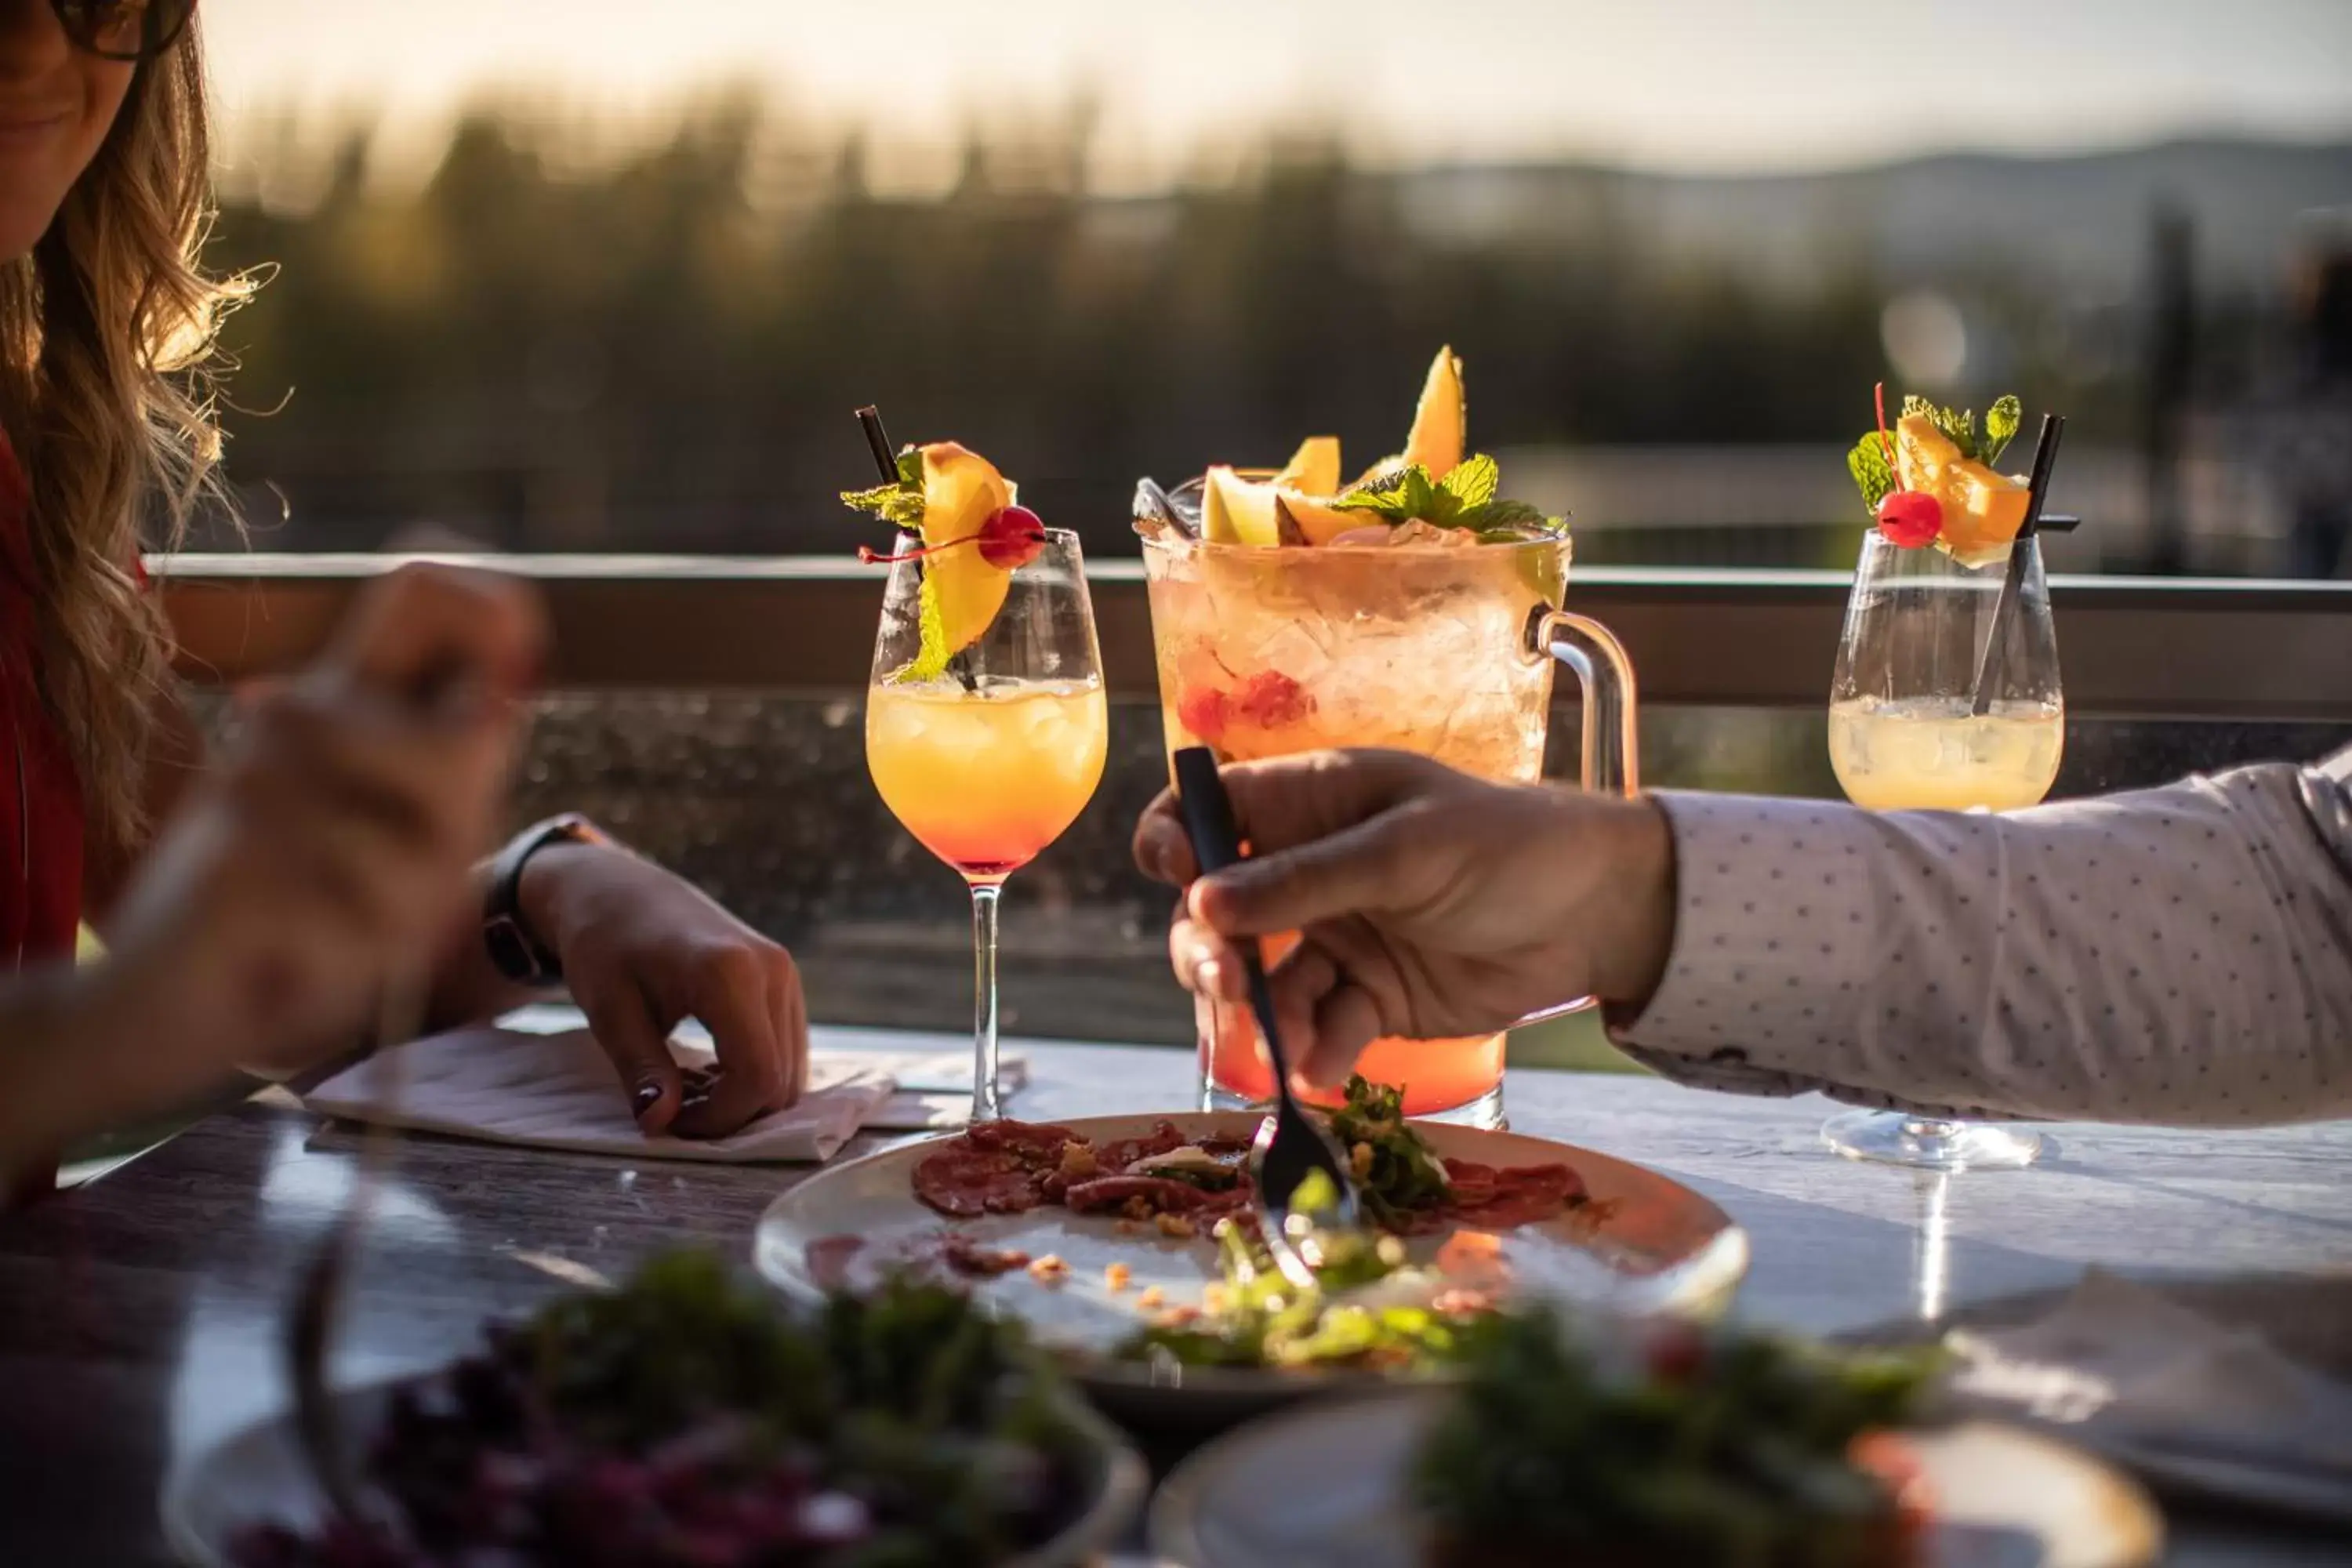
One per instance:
(1290,615)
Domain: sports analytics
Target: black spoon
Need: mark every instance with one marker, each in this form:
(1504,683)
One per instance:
(1290,1143)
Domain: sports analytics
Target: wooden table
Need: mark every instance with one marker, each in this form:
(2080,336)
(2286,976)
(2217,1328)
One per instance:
(141,1314)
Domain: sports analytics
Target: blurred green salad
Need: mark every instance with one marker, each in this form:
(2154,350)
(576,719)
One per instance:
(687,1418)
(1665,1444)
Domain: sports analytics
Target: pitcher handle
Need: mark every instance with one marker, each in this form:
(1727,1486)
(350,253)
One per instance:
(1610,758)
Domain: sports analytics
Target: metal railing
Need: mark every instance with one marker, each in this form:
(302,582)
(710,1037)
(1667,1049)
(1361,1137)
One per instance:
(2230,649)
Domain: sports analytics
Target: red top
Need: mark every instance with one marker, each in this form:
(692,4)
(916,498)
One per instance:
(40,794)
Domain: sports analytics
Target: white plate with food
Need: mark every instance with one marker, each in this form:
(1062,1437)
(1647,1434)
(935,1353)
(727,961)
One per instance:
(1098,1232)
(684,1407)
(1368,1483)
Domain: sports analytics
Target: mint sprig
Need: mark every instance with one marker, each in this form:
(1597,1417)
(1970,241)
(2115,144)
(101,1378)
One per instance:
(931,661)
(901,505)
(2002,422)
(1464,499)
(1872,474)
(1473,480)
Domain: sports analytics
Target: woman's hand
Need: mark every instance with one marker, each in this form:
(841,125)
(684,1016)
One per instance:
(319,862)
(642,949)
(1431,904)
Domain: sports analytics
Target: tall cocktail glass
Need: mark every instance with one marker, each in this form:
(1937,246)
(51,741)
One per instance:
(1446,649)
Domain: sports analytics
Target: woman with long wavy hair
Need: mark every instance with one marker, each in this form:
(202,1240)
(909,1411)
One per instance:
(108,328)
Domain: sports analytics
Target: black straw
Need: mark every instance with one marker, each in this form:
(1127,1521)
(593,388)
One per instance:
(2012,580)
(869,419)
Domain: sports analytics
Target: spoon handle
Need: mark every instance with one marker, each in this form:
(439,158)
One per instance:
(1217,844)
(1208,810)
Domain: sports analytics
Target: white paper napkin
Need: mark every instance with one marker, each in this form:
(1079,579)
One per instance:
(934,1091)
(559,1091)
(2138,1375)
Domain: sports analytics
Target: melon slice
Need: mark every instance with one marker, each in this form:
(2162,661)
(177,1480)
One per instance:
(1441,425)
(1313,468)
(1441,429)
(1319,522)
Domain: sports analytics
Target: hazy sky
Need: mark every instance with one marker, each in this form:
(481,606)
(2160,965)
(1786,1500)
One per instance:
(1715,84)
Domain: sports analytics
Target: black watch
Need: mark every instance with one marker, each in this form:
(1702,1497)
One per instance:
(514,948)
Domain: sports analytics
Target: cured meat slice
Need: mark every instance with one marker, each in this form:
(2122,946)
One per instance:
(998,1167)
(974,1261)
(1041,1139)
(1164,1194)
(1512,1195)
(1008,1167)
(1141,1197)
(1117,1156)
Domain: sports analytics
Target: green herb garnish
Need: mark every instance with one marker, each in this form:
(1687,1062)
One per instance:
(1266,1321)
(1402,1176)
(1464,499)
(901,505)
(932,660)
(2002,422)
(1872,474)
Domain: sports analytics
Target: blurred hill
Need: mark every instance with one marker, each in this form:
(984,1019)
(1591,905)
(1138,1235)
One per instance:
(660,350)
(2074,223)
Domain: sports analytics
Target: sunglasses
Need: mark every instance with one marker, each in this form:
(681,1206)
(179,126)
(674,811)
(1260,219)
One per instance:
(124,29)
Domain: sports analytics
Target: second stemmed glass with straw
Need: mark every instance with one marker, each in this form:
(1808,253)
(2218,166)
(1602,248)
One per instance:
(987,764)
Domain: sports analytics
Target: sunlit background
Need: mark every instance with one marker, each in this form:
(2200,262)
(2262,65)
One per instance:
(609,275)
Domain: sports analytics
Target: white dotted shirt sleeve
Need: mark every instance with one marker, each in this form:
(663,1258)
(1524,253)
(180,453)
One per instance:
(2179,955)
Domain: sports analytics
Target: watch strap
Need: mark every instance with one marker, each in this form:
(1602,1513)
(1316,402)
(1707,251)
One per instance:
(515,950)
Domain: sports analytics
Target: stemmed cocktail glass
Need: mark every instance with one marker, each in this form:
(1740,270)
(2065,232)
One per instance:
(991,759)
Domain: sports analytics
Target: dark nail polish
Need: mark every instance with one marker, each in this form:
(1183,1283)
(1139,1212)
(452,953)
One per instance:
(646,1094)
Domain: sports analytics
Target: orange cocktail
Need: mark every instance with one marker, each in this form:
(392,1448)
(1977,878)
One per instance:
(1412,610)
(1267,653)
(986,778)
(985,725)
(1437,1076)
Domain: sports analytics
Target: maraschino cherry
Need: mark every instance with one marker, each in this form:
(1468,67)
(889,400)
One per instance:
(1008,541)
(1011,539)
(1910,517)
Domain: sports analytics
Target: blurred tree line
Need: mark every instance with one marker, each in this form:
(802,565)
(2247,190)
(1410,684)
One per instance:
(661,351)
